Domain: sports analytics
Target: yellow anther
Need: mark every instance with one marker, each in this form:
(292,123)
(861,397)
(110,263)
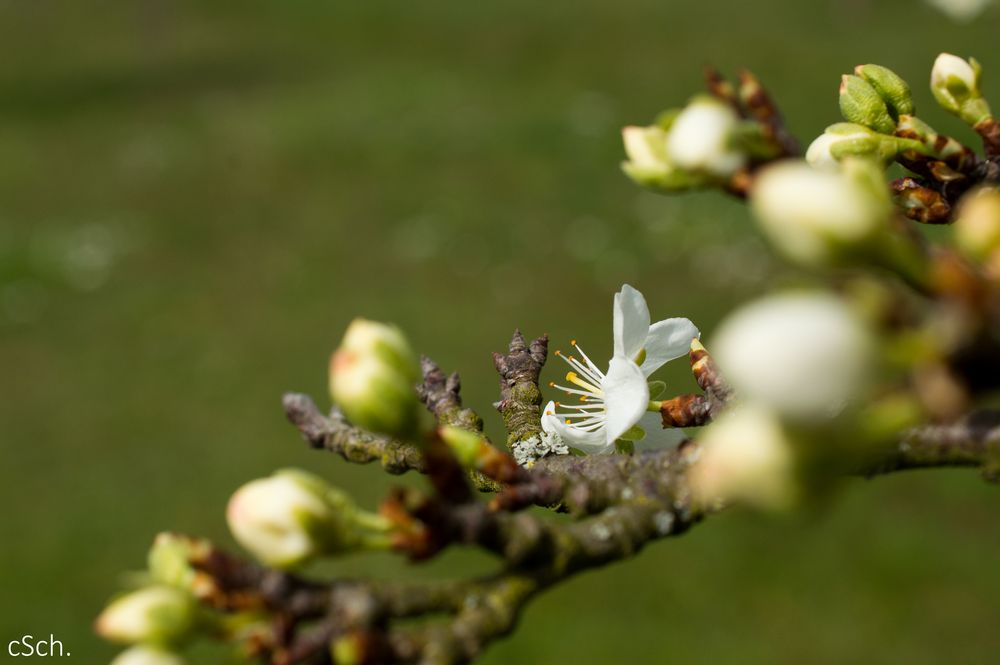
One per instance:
(573,342)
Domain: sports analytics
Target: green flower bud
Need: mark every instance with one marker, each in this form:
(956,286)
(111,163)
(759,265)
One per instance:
(292,517)
(955,85)
(977,227)
(169,560)
(372,377)
(860,103)
(146,655)
(152,615)
(893,90)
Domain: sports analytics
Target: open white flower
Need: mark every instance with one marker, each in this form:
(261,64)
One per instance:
(616,402)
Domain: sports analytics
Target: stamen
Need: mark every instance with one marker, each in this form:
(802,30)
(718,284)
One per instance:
(572,377)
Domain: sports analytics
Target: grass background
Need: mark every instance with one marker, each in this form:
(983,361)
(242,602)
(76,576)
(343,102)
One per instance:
(195,199)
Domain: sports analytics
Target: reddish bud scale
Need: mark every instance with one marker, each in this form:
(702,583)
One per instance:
(686,411)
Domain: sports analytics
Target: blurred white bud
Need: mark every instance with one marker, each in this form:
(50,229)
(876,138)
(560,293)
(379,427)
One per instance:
(145,655)
(747,457)
(818,218)
(977,227)
(805,356)
(372,377)
(153,615)
(955,85)
(702,137)
(646,148)
(293,516)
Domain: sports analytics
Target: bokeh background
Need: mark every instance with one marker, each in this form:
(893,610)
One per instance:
(196,198)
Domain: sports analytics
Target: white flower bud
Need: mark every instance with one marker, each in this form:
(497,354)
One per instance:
(846,139)
(702,136)
(746,457)
(145,655)
(805,356)
(977,227)
(955,85)
(815,217)
(646,148)
(155,614)
(372,377)
(290,517)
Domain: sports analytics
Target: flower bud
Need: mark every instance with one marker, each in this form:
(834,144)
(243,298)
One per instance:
(145,655)
(646,148)
(861,104)
(890,86)
(372,377)
(955,85)
(820,218)
(846,139)
(701,139)
(153,615)
(977,227)
(292,517)
(746,456)
(805,356)
(169,559)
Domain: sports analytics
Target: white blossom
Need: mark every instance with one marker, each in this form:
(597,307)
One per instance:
(613,403)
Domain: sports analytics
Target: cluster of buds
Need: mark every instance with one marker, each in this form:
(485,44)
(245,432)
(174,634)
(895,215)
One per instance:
(293,517)
(691,147)
(881,125)
(372,379)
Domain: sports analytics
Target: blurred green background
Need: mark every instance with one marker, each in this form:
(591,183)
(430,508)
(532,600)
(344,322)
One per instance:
(195,199)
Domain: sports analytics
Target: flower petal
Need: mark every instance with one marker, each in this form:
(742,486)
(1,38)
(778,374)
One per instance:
(631,322)
(667,339)
(657,438)
(626,396)
(589,442)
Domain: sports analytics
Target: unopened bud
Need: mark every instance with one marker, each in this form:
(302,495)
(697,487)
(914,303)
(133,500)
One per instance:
(977,227)
(702,138)
(890,86)
(862,105)
(746,457)
(153,615)
(372,377)
(292,517)
(169,560)
(955,85)
(820,218)
(847,139)
(146,655)
(806,356)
